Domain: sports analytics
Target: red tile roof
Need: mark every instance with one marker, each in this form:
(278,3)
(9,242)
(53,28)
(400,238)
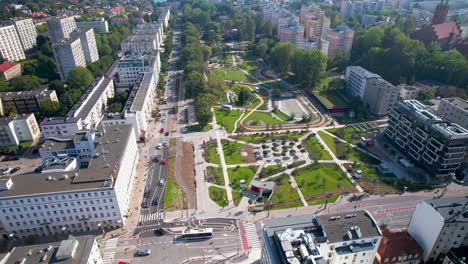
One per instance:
(398,243)
(443,30)
(6,66)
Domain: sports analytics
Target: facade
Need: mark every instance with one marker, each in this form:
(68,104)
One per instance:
(74,250)
(21,128)
(61,28)
(26,32)
(318,44)
(338,238)
(398,247)
(27,101)
(455,110)
(130,67)
(408,92)
(139,44)
(457,256)
(380,96)
(87,112)
(68,54)
(10,44)
(340,38)
(447,228)
(88,42)
(429,141)
(90,199)
(357,8)
(445,35)
(357,78)
(99,24)
(10,70)
(164,16)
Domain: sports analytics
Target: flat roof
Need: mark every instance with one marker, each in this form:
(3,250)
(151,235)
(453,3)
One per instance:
(458,102)
(453,209)
(89,98)
(62,143)
(110,150)
(367,74)
(6,120)
(144,88)
(35,93)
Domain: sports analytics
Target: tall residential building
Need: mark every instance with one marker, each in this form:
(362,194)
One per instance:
(94,198)
(68,54)
(99,24)
(60,28)
(455,110)
(10,44)
(357,78)
(352,237)
(439,225)
(427,140)
(358,8)
(88,42)
(14,130)
(340,38)
(139,44)
(27,101)
(409,92)
(26,32)
(130,67)
(440,13)
(380,96)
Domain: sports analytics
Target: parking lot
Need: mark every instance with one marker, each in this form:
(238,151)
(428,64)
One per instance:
(26,163)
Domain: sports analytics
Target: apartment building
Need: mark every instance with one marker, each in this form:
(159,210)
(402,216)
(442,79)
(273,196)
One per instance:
(10,70)
(337,238)
(156,27)
(88,43)
(439,225)
(26,32)
(99,24)
(291,32)
(152,32)
(380,96)
(356,80)
(74,250)
(90,199)
(317,44)
(87,112)
(10,44)
(456,256)
(68,54)
(130,67)
(340,38)
(17,129)
(398,247)
(27,101)
(139,44)
(427,140)
(455,110)
(357,8)
(164,16)
(408,92)
(61,28)
(315,22)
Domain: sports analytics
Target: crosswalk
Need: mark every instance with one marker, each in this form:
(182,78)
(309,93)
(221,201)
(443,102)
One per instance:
(108,257)
(149,217)
(111,243)
(252,235)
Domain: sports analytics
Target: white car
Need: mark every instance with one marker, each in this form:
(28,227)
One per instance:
(159,146)
(165,144)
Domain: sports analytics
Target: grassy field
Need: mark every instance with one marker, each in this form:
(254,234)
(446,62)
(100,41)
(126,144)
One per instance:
(281,115)
(318,178)
(230,74)
(215,175)
(249,65)
(175,197)
(227,119)
(211,155)
(218,195)
(20,149)
(237,197)
(331,98)
(252,101)
(316,152)
(266,118)
(259,139)
(283,190)
(286,206)
(271,170)
(237,174)
(232,152)
(323,200)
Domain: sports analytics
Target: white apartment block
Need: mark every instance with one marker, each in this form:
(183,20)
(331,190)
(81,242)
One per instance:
(86,114)
(455,110)
(139,44)
(80,146)
(130,67)
(26,32)
(99,24)
(439,225)
(90,199)
(60,28)
(380,96)
(149,32)
(408,92)
(74,250)
(164,16)
(68,54)
(156,27)
(10,44)
(356,79)
(88,42)
(20,128)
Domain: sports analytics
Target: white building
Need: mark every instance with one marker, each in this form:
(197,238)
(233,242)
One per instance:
(68,54)
(164,16)
(408,92)
(86,114)
(99,24)
(139,44)
(356,79)
(88,42)
(10,44)
(60,28)
(352,237)
(20,128)
(74,250)
(321,44)
(455,110)
(130,67)
(439,225)
(26,32)
(79,146)
(93,198)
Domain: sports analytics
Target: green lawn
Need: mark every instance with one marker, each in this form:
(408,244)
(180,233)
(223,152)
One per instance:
(281,115)
(331,99)
(237,197)
(20,148)
(283,190)
(347,133)
(230,74)
(271,170)
(197,128)
(175,197)
(318,178)
(346,152)
(211,155)
(266,118)
(249,65)
(232,152)
(323,200)
(218,195)
(259,139)
(316,152)
(286,206)
(237,174)
(215,175)
(227,119)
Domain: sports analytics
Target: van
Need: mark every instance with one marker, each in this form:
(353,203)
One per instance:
(161,182)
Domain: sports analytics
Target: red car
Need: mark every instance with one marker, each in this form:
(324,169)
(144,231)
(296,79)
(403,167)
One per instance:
(161,130)
(10,158)
(163,161)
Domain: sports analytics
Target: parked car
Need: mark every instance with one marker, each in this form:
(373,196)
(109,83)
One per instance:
(161,130)
(143,252)
(161,182)
(7,171)
(7,159)
(159,146)
(15,170)
(166,134)
(165,144)
(163,161)
(146,204)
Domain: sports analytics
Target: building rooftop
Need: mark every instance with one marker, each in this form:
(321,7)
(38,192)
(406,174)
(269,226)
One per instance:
(7,65)
(136,100)
(363,72)
(6,120)
(74,250)
(454,209)
(59,120)
(33,93)
(104,163)
(457,102)
(269,185)
(398,243)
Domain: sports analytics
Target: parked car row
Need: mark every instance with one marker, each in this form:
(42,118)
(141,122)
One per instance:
(9,170)
(10,158)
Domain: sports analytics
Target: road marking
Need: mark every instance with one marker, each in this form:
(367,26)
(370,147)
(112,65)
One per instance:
(148,217)
(111,243)
(252,235)
(393,210)
(108,257)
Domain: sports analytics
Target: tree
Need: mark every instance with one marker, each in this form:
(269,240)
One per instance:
(203,111)
(26,83)
(195,84)
(10,111)
(425,95)
(281,55)
(50,108)
(114,108)
(244,95)
(46,49)
(79,78)
(268,28)
(58,86)
(261,49)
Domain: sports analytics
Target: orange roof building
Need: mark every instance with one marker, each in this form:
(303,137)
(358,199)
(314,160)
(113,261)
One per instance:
(398,247)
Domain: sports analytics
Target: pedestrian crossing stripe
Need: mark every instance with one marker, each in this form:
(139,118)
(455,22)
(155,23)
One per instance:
(108,257)
(111,243)
(252,235)
(149,217)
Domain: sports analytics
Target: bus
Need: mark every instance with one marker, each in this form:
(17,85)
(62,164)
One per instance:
(196,234)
